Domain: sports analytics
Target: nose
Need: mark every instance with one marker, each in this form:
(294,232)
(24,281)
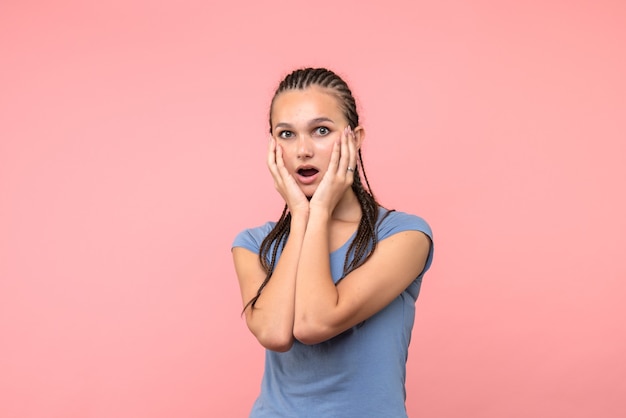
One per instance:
(304,147)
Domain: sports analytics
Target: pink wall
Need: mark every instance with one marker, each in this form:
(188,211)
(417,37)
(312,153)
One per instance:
(132,140)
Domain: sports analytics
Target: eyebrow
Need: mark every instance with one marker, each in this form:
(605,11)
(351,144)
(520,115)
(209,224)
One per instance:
(311,122)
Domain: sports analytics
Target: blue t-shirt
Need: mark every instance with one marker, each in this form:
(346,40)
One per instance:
(359,373)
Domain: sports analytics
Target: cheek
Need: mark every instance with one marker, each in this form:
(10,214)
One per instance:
(325,150)
(289,157)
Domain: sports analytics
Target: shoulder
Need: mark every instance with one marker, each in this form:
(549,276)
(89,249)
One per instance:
(391,222)
(251,238)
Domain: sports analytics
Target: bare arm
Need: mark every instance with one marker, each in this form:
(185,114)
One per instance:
(324,310)
(271,319)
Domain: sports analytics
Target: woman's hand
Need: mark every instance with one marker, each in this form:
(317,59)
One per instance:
(284,182)
(339,175)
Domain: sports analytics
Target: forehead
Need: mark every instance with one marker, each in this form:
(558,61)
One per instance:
(302,105)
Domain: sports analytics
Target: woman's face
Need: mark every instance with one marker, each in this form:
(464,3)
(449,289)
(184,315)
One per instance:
(306,124)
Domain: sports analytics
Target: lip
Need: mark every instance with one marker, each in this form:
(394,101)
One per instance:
(305,179)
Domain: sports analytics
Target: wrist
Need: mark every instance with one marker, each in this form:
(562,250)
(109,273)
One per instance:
(320,214)
(300,216)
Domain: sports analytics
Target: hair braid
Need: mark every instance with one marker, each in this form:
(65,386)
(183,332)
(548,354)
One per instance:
(271,243)
(366,239)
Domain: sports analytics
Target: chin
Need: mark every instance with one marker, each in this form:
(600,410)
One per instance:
(308,190)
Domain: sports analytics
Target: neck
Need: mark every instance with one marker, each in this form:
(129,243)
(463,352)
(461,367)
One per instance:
(348,209)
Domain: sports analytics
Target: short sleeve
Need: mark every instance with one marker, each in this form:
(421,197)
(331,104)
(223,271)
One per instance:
(251,239)
(395,222)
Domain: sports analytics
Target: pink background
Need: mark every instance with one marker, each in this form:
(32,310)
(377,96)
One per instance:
(132,145)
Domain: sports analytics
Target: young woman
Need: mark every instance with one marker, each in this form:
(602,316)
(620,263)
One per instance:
(329,290)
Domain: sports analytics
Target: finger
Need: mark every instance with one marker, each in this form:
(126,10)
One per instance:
(280,162)
(277,167)
(342,169)
(335,157)
(353,151)
(271,157)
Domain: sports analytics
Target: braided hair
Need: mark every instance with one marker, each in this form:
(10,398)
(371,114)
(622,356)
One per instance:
(363,245)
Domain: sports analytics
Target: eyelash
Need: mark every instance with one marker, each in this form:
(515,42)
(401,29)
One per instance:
(323,127)
(289,134)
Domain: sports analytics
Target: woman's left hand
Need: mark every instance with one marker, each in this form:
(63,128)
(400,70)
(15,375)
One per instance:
(339,175)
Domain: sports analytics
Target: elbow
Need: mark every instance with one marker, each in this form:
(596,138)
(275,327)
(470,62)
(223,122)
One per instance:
(275,342)
(279,346)
(272,336)
(310,334)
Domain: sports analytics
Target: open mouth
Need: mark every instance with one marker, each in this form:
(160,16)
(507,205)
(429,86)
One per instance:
(307,172)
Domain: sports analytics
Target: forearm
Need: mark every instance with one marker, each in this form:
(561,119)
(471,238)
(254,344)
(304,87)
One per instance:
(272,318)
(316,295)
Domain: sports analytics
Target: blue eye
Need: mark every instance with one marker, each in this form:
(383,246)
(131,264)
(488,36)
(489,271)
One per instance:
(285,134)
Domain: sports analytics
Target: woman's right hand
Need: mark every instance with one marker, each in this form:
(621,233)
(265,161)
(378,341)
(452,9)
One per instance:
(284,182)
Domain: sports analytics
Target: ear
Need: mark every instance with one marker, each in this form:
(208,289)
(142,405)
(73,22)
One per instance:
(359,135)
